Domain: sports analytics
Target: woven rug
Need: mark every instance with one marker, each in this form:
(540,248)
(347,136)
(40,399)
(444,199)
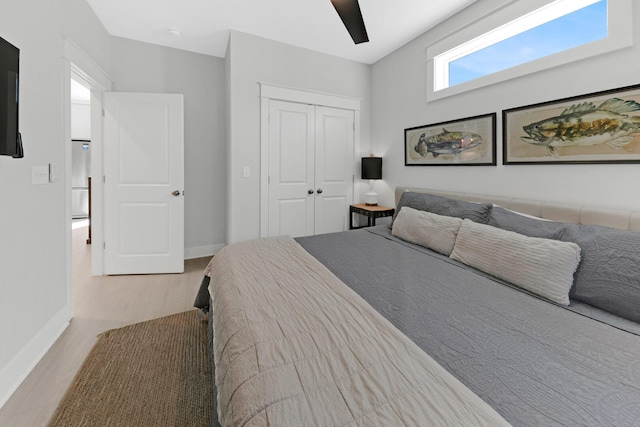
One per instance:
(154,373)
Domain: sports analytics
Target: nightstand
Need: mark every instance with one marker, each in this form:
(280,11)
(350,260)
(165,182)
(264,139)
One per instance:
(371,212)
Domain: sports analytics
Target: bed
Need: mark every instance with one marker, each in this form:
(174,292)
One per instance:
(469,310)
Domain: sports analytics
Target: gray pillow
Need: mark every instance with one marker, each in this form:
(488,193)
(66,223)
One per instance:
(542,266)
(509,220)
(609,275)
(477,212)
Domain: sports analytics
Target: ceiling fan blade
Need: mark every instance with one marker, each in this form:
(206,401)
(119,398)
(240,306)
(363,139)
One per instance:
(349,12)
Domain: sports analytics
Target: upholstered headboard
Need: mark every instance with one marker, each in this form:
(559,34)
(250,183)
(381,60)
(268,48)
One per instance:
(561,212)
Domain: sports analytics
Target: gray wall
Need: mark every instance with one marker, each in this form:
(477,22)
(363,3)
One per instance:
(399,102)
(253,60)
(34,305)
(143,67)
(34,300)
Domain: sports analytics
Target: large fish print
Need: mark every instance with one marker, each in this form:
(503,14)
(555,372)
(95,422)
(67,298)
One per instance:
(613,123)
(447,143)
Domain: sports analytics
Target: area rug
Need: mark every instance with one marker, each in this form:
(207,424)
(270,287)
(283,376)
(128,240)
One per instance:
(154,373)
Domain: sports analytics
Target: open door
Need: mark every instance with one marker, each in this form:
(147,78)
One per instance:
(143,183)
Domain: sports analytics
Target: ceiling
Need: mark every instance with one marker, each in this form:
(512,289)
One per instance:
(313,24)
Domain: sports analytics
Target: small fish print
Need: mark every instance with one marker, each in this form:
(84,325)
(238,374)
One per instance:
(447,143)
(614,123)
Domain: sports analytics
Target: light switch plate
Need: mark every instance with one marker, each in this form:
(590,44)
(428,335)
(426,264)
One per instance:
(39,175)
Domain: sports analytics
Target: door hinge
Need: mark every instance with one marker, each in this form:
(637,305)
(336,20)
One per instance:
(104,245)
(104,179)
(103,114)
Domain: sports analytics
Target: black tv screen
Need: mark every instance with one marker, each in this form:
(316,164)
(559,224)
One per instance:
(10,140)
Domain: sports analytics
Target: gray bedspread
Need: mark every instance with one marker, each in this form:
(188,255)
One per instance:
(294,346)
(535,362)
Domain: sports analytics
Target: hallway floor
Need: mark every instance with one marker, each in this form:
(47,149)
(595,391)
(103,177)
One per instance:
(99,304)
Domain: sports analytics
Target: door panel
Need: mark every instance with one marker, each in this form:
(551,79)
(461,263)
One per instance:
(143,219)
(334,168)
(293,150)
(144,165)
(331,216)
(291,142)
(144,149)
(292,217)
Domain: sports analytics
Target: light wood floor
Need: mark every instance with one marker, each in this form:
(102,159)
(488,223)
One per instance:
(99,304)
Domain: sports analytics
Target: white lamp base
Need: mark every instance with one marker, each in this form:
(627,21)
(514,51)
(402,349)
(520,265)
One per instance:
(371,198)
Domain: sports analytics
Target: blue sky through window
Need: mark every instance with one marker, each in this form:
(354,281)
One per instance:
(574,29)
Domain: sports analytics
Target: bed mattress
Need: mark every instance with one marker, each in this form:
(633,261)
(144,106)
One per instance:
(534,362)
(293,346)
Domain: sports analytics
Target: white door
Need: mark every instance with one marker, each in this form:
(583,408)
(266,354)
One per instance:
(291,168)
(333,168)
(310,168)
(144,183)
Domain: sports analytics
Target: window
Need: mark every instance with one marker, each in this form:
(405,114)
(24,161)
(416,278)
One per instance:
(567,31)
(521,39)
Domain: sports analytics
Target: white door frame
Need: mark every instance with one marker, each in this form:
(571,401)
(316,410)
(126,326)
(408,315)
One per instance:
(78,64)
(269,91)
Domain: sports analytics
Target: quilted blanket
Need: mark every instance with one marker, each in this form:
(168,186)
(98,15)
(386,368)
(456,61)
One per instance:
(293,346)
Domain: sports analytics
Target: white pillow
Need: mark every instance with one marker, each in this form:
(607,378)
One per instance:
(426,229)
(542,266)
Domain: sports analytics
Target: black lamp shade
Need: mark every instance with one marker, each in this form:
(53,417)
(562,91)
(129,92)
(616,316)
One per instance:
(371,168)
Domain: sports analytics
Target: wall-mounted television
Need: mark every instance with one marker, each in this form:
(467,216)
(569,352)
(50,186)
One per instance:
(10,139)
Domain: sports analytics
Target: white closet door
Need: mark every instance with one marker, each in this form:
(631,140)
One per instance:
(291,168)
(334,168)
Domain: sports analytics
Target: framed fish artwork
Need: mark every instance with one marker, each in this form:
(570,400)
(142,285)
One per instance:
(601,127)
(464,142)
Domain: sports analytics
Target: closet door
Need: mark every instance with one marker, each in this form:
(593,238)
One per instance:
(334,168)
(291,168)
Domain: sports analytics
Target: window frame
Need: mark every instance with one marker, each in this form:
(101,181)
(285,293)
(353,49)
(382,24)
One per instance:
(620,36)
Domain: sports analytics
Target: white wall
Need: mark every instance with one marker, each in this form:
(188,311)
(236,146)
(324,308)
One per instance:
(399,102)
(252,60)
(33,226)
(143,67)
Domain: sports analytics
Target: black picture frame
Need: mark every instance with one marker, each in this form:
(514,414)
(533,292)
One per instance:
(599,127)
(470,141)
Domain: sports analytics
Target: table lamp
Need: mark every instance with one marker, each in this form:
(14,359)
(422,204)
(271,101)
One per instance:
(371,169)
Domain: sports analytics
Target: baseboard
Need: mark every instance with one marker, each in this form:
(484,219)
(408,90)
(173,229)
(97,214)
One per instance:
(202,251)
(15,372)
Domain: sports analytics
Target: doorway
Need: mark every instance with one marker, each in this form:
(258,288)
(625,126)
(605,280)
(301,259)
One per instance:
(79,66)
(84,135)
(80,156)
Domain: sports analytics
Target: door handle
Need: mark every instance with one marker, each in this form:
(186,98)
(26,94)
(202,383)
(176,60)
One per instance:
(175,193)
(310,191)
(319,190)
